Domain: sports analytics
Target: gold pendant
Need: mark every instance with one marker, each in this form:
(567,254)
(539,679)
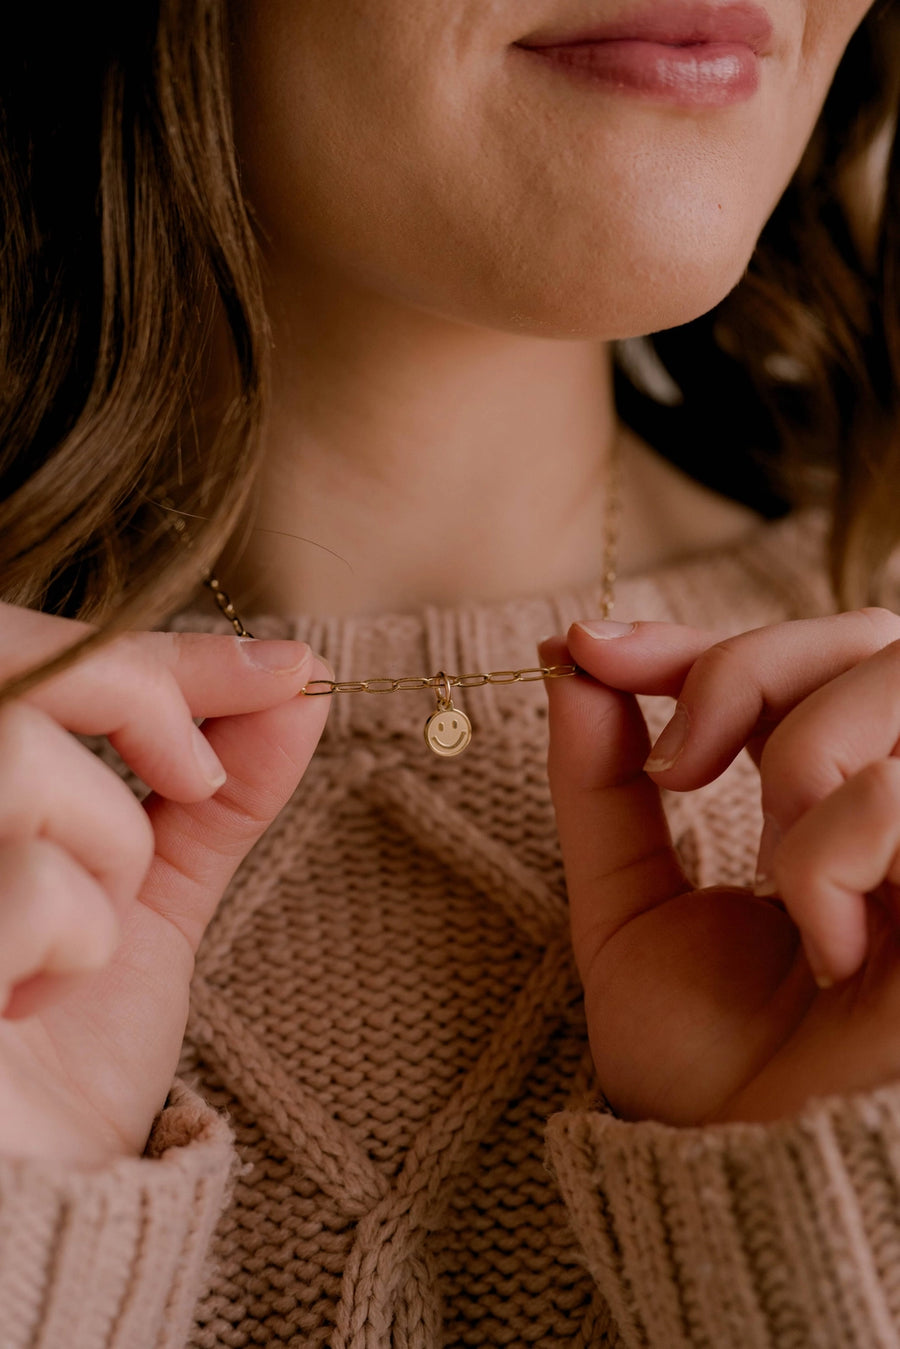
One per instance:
(447,731)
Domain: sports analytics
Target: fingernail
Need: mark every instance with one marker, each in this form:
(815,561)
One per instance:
(605,628)
(764,883)
(210,764)
(274,656)
(816,963)
(670,743)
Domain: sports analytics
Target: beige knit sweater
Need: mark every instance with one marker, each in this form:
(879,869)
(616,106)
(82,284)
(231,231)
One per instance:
(385,1017)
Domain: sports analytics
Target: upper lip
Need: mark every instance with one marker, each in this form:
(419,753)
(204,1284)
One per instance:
(676,25)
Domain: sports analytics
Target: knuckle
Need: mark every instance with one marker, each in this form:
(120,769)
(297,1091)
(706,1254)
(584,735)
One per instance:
(792,758)
(795,873)
(162,690)
(134,660)
(797,867)
(126,846)
(129,846)
(879,782)
(155,701)
(34,888)
(716,669)
(722,655)
(126,649)
(165,651)
(57,912)
(726,682)
(179,650)
(43,874)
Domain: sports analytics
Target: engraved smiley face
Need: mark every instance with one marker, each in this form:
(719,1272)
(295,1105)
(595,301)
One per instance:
(448,733)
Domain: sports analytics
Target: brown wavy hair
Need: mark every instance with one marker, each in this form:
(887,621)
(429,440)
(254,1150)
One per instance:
(127,244)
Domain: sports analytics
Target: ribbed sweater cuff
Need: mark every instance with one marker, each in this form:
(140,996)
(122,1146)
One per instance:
(742,1236)
(113,1258)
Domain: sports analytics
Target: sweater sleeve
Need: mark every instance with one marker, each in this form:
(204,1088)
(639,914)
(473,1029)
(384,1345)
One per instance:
(114,1258)
(742,1236)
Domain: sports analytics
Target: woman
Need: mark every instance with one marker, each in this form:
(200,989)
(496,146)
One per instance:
(412,257)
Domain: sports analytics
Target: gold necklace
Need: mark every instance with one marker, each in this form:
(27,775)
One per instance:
(448,731)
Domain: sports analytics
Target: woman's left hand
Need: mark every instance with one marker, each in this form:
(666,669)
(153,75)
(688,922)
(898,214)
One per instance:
(704,1005)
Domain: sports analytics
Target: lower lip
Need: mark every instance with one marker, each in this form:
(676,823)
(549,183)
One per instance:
(703,74)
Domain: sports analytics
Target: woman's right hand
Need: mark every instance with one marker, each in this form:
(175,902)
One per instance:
(103,899)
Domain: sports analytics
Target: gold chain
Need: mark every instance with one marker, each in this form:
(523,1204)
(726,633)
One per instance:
(407,683)
(447,718)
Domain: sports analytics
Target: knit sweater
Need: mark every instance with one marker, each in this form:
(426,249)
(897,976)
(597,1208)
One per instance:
(387,1133)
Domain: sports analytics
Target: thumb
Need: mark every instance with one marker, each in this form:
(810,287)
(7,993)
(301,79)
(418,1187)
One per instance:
(199,846)
(617,850)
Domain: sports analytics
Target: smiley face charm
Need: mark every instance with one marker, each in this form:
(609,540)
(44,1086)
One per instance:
(447,731)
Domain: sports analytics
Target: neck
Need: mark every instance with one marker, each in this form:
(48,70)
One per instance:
(413,460)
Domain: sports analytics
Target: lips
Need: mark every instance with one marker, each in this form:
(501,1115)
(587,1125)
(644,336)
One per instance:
(678,25)
(687,54)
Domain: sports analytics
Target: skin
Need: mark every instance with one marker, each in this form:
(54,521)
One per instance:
(436,216)
(103,899)
(436,220)
(702,1005)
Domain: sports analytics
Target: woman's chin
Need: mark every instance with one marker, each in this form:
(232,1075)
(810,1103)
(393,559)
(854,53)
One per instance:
(580,312)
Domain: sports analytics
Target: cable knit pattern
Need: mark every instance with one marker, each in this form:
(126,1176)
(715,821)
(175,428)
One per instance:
(386,1007)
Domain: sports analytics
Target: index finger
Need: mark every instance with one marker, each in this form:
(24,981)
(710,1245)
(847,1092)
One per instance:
(730,691)
(142,690)
(216,674)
